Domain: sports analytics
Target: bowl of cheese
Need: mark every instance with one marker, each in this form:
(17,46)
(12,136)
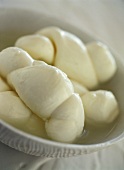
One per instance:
(61,89)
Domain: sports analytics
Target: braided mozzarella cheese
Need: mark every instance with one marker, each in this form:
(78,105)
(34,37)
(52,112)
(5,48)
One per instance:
(48,92)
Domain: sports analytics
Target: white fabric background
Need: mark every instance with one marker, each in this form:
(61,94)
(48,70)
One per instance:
(104,19)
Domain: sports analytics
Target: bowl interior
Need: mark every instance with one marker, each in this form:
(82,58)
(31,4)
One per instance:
(18,22)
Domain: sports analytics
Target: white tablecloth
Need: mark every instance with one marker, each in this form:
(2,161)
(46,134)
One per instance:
(104,19)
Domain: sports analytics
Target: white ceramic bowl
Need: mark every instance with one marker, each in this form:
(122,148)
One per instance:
(17,22)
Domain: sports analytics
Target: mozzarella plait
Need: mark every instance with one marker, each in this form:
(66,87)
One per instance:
(46,90)
(39,47)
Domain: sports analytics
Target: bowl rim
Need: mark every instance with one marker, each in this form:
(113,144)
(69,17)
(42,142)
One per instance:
(59,144)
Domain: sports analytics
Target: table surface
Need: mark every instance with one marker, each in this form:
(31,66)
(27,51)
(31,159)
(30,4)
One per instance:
(104,19)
